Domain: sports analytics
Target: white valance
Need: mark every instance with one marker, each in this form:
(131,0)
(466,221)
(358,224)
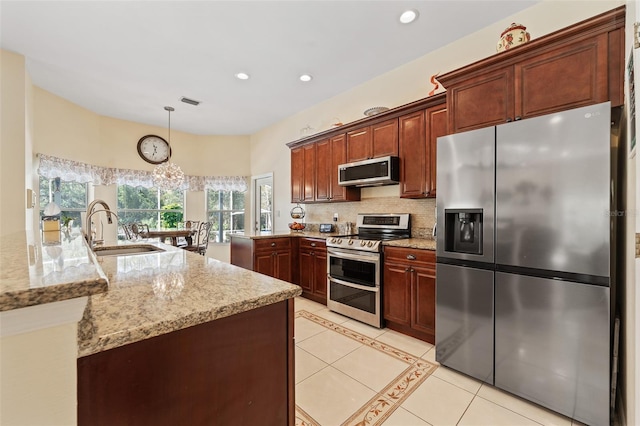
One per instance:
(75,171)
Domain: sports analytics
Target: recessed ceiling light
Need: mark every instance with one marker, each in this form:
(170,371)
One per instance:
(408,16)
(242,76)
(305,77)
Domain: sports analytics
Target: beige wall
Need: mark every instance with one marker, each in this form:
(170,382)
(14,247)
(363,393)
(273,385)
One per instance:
(12,143)
(38,371)
(66,130)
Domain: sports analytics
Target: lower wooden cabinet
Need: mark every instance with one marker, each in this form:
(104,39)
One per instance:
(270,256)
(312,258)
(409,291)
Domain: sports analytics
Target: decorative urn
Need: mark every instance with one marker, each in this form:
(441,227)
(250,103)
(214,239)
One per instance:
(514,35)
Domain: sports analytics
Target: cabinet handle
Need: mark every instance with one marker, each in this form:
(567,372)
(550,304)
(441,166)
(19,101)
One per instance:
(518,118)
(411,257)
(406,269)
(273,244)
(312,254)
(313,244)
(509,120)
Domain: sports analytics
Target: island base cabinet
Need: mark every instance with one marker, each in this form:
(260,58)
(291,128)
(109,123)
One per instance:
(237,370)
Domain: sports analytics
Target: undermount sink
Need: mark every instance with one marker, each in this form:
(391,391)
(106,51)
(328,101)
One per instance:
(126,250)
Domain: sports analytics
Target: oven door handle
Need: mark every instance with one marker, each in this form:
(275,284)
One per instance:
(369,258)
(352,285)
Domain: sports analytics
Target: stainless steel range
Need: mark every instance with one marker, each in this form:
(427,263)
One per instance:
(354,262)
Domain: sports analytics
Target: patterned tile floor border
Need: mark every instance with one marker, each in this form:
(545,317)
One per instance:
(381,406)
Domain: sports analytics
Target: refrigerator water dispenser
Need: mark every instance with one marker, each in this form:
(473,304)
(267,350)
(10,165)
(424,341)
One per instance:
(463,230)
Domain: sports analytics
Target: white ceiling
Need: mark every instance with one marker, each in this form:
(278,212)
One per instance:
(129,59)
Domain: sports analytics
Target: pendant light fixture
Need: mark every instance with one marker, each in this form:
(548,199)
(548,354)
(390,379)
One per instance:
(168,175)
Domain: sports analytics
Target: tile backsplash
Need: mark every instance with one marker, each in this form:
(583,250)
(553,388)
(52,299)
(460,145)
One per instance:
(422,212)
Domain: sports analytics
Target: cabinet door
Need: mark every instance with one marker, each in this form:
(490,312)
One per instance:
(320,273)
(568,77)
(324,176)
(282,265)
(397,293)
(359,144)
(437,125)
(413,155)
(482,101)
(423,308)
(307,276)
(384,138)
(264,263)
(339,156)
(297,175)
(309,167)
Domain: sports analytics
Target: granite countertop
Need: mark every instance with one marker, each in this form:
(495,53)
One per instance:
(157,293)
(428,243)
(33,272)
(285,233)
(131,297)
(416,243)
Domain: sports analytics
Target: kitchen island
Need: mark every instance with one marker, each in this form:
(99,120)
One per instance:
(176,338)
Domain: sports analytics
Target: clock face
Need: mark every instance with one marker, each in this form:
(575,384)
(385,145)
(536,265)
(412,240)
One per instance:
(153,149)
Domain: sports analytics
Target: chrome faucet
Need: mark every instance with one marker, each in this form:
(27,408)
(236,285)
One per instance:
(90,212)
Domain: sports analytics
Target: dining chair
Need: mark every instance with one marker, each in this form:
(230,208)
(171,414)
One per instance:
(126,228)
(201,241)
(187,224)
(139,230)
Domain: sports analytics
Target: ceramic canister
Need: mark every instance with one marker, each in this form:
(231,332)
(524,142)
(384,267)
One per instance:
(514,35)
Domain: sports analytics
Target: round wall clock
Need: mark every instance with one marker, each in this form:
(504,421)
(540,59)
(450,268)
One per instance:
(154,149)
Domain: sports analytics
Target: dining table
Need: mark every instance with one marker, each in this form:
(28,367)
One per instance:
(172,233)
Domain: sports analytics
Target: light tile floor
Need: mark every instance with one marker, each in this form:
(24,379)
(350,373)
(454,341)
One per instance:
(348,373)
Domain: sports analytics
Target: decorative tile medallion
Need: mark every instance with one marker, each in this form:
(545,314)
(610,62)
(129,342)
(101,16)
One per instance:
(381,406)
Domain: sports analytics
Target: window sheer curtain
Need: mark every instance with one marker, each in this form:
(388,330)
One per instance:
(74,171)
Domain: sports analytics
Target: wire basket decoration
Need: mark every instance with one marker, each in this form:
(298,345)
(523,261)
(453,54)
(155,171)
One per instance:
(297,213)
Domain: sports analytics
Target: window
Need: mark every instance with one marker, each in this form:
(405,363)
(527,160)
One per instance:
(154,207)
(71,197)
(225,209)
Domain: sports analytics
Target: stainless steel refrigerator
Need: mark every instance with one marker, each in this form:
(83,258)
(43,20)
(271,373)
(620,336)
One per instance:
(523,259)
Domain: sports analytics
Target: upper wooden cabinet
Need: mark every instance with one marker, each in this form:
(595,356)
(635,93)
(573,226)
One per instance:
(417,147)
(303,174)
(574,67)
(327,155)
(376,140)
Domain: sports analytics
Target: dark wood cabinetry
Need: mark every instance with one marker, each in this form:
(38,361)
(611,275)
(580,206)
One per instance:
(312,257)
(234,370)
(417,147)
(330,153)
(574,67)
(376,140)
(270,256)
(410,291)
(303,174)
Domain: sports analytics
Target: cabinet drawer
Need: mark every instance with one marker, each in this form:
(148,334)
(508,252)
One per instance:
(313,243)
(273,243)
(408,255)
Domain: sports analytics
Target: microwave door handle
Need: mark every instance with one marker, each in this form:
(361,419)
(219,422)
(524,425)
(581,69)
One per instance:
(352,285)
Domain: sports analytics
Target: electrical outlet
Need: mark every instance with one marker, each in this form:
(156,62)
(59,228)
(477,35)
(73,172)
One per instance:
(335,217)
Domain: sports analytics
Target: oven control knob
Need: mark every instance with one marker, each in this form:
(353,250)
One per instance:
(370,244)
(333,240)
(362,243)
(350,242)
(339,241)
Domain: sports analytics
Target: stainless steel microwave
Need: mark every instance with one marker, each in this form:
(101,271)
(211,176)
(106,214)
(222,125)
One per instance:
(373,172)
